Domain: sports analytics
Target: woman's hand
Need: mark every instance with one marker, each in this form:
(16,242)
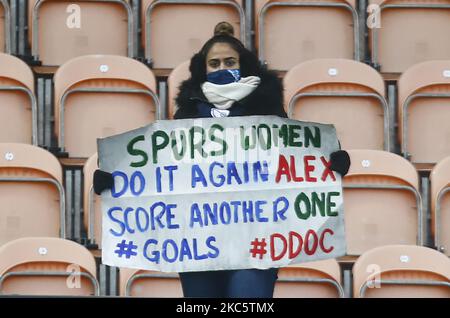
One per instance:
(102,181)
(340,162)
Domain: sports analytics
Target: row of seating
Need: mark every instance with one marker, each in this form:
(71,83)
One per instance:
(52,266)
(383,201)
(90,93)
(400,34)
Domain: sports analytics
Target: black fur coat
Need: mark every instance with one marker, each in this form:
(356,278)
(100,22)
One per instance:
(266,99)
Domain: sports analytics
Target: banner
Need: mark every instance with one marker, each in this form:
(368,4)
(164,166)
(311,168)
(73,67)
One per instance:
(221,193)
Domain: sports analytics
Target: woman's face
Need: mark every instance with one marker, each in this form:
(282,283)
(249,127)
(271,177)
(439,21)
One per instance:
(221,56)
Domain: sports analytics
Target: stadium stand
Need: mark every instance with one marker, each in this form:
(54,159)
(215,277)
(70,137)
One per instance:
(423,100)
(47,266)
(175,30)
(382,202)
(321,279)
(142,283)
(398,271)
(88,87)
(79,28)
(5,27)
(178,75)
(305,30)
(315,46)
(18,110)
(32,196)
(440,205)
(336,91)
(408,32)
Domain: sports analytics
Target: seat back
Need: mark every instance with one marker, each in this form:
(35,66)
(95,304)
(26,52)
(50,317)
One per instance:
(424,111)
(382,202)
(175,30)
(142,283)
(305,30)
(401,271)
(321,279)
(440,205)
(418,29)
(18,111)
(47,266)
(176,77)
(32,196)
(101,95)
(62,30)
(336,91)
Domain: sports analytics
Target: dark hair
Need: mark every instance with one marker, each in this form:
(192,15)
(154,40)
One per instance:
(249,64)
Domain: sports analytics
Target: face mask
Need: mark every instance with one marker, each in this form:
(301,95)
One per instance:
(224,76)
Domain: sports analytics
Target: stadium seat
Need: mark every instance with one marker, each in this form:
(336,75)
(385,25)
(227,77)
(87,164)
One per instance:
(409,32)
(382,202)
(440,205)
(32,196)
(424,112)
(399,271)
(18,110)
(178,75)
(92,218)
(320,279)
(305,30)
(98,96)
(143,283)
(175,30)
(5,27)
(62,30)
(47,266)
(342,92)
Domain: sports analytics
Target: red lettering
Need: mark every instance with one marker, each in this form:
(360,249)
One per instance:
(322,238)
(327,170)
(308,250)
(292,253)
(283,169)
(272,246)
(309,168)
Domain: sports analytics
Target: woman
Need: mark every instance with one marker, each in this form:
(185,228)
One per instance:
(227,80)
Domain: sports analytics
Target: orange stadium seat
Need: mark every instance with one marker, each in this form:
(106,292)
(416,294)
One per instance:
(174,30)
(98,96)
(5,27)
(62,30)
(399,271)
(92,208)
(440,205)
(424,112)
(382,202)
(18,110)
(178,75)
(144,283)
(345,93)
(410,32)
(290,32)
(47,266)
(321,279)
(32,196)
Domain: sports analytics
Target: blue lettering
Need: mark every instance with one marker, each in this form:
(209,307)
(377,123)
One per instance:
(165,251)
(140,176)
(122,226)
(125,184)
(197,176)
(155,254)
(215,250)
(259,211)
(220,177)
(280,211)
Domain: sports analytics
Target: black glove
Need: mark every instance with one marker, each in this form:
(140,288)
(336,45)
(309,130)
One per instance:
(102,181)
(340,162)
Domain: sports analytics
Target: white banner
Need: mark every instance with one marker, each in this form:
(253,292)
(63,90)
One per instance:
(221,193)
